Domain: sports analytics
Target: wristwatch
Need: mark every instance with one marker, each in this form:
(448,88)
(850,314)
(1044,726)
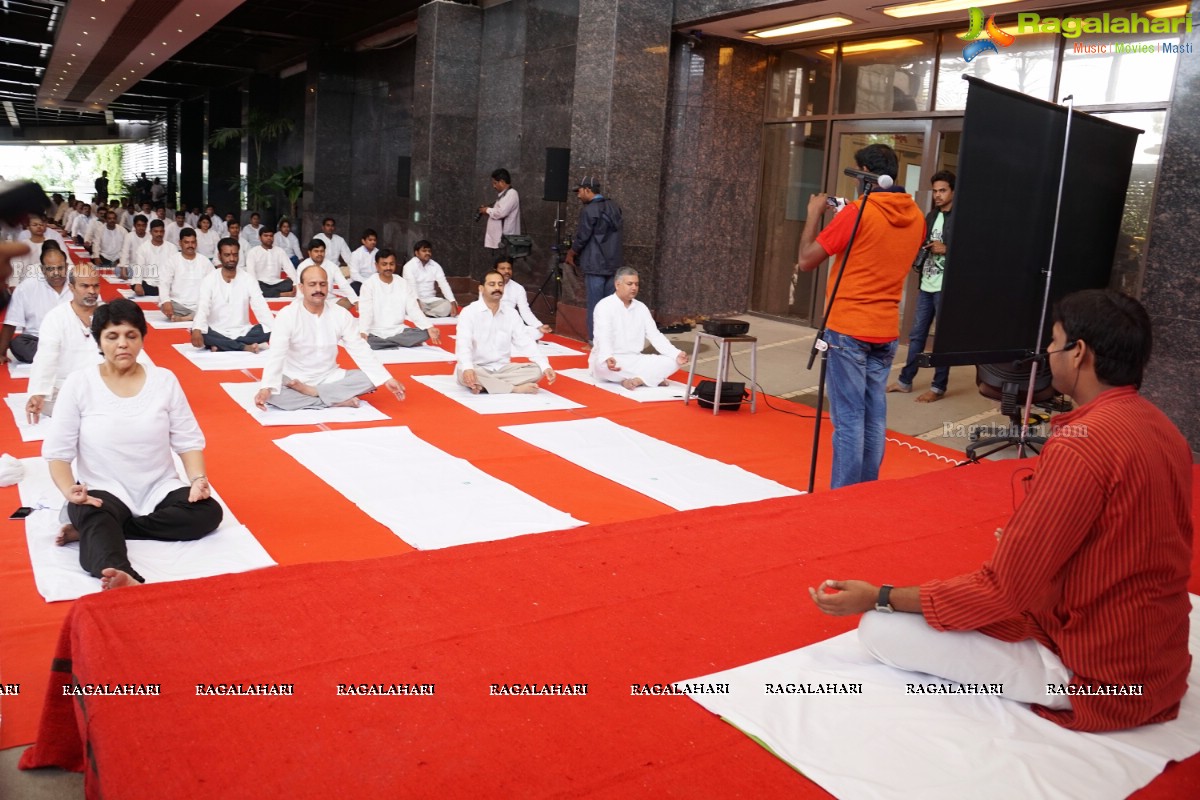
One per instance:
(883,604)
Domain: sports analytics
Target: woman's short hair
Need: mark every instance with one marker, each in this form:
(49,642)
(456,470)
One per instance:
(115,313)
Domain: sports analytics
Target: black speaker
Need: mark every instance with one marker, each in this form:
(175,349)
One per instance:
(558,172)
(403,175)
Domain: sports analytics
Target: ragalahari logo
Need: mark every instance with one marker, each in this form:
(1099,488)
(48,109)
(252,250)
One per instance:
(994,37)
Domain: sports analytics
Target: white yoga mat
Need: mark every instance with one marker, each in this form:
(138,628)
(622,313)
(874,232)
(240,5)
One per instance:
(233,360)
(143,299)
(421,354)
(156,319)
(56,570)
(19,371)
(513,403)
(550,349)
(109,277)
(674,390)
(444,320)
(669,474)
(885,743)
(243,395)
(29,433)
(447,501)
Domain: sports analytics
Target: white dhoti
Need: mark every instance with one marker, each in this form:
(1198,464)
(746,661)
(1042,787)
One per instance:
(504,379)
(652,369)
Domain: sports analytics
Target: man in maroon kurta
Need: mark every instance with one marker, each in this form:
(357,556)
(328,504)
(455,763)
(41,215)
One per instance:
(1089,579)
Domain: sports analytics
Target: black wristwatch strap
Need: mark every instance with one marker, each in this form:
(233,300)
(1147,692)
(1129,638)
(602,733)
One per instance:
(884,602)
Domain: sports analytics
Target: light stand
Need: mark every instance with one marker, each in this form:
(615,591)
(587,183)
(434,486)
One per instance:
(551,287)
(822,347)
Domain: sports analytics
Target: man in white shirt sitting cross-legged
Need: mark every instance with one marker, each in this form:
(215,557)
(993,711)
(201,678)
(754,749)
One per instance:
(425,276)
(385,303)
(516,299)
(488,336)
(227,296)
(622,326)
(302,370)
(179,282)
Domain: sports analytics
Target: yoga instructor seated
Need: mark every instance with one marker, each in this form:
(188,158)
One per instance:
(302,370)
(488,334)
(622,326)
(1082,611)
(119,478)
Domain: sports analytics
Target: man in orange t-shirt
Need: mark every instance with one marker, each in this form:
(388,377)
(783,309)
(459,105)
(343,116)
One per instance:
(864,319)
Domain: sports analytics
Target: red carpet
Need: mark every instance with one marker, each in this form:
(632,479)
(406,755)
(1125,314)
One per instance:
(653,600)
(310,522)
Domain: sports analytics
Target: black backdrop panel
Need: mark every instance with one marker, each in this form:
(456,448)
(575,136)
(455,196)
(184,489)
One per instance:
(1003,221)
(558,168)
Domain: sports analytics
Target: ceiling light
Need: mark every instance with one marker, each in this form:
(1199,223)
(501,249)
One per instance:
(938,7)
(867,47)
(1168,11)
(805,26)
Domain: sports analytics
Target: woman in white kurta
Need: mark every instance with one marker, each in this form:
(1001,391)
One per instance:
(207,238)
(110,448)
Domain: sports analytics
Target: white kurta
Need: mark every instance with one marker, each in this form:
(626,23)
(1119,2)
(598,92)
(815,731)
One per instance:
(206,242)
(289,244)
(383,307)
(334,274)
(304,347)
(265,266)
(150,262)
(224,306)
(335,248)
(91,427)
(180,280)
(362,264)
(517,299)
(133,243)
(489,341)
(65,345)
(621,332)
(423,278)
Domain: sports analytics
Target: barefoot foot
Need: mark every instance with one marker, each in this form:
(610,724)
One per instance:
(115,579)
(633,383)
(351,403)
(303,388)
(67,535)
(525,388)
(895,387)
(929,397)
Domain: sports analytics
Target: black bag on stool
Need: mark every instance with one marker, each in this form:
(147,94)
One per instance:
(732,394)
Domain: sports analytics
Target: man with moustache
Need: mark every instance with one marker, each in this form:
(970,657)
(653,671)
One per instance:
(302,370)
(31,301)
(384,305)
(181,278)
(66,342)
(488,335)
(316,255)
(227,295)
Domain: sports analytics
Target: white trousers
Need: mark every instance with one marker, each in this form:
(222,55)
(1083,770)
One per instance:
(652,369)
(908,642)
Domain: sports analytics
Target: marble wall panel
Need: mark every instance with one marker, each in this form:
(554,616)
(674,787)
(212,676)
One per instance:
(1170,284)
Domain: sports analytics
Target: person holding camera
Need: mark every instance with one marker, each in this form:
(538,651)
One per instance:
(503,216)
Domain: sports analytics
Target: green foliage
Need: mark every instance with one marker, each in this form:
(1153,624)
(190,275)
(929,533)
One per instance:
(290,181)
(259,129)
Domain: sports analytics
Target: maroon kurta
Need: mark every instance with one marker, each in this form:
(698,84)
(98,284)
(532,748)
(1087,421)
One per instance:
(1095,564)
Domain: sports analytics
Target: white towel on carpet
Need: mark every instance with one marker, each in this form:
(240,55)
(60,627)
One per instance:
(669,474)
(231,360)
(444,320)
(29,433)
(109,277)
(550,349)
(243,395)
(886,743)
(421,354)
(450,502)
(144,299)
(56,570)
(156,319)
(512,403)
(19,371)
(674,390)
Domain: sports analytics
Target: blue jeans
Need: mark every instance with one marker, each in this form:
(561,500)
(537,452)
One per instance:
(929,305)
(598,287)
(857,380)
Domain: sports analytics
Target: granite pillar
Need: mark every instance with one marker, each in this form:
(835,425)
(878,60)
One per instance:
(191,153)
(328,128)
(224,163)
(618,120)
(710,183)
(696,10)
(1171,282)
(445,131)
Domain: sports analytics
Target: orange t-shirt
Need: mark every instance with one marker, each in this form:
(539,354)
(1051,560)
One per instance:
(868,301)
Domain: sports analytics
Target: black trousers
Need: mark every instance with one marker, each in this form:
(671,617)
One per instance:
(103,531)
(276,289)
